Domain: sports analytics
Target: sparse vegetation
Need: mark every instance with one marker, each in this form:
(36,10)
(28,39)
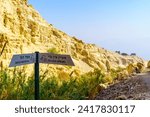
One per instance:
(16,85)
(53,50)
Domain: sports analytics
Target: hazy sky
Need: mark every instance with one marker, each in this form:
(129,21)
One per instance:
(113,24)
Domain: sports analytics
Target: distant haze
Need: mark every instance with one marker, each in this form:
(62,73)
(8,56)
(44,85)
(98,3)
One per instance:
(113,24)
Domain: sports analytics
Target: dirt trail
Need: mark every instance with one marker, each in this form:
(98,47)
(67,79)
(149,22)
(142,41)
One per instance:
(146,78)
(135,88)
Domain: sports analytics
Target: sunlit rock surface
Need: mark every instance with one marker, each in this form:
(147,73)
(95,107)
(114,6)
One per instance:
(23,30)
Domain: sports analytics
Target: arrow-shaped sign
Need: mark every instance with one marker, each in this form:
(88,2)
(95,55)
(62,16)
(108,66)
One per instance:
(22,59)
(59,59)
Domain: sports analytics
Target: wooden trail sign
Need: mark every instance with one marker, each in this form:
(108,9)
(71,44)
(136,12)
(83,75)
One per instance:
(51,58)
(36,58)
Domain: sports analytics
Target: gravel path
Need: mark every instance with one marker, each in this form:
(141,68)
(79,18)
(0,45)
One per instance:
(135,88)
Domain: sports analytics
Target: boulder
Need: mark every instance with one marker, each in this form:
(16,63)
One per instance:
(148,64)
(140,67)
(131,69)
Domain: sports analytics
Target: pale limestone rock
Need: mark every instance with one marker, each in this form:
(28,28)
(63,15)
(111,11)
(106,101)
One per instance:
(26,32)
(148,64)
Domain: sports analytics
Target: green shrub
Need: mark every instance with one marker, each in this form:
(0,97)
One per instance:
(18,85)
(53,50)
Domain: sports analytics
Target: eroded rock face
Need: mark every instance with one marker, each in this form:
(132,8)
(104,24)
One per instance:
(148,64)
(23,30)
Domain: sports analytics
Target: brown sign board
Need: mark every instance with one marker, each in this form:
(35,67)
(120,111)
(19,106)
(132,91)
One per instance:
(59,59)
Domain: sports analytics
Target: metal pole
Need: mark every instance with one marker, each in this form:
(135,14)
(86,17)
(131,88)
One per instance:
(36,68)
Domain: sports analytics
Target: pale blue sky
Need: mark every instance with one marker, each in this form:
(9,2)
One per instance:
(113,24)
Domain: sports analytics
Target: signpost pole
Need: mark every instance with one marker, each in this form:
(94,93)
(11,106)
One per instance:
(36,68)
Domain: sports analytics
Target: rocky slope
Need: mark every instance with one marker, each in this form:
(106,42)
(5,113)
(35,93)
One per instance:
(133,88)
(23,30)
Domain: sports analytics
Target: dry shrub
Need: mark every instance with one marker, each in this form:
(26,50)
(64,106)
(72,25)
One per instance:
(76,72)
(131,69)
(122,75)
(108,78)
(53,50)
(101,87)
(148,64)
(63,75)
(140,67)
(92,93)
(108,65)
